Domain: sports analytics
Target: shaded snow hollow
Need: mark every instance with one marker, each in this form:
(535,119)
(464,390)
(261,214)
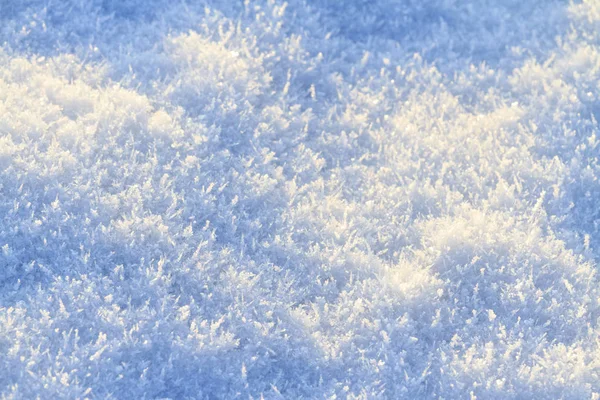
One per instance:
(385,199)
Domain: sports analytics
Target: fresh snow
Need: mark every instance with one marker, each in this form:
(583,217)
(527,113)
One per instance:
(318,199)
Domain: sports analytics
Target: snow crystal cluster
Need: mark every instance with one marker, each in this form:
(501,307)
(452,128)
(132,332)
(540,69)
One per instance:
(318,199)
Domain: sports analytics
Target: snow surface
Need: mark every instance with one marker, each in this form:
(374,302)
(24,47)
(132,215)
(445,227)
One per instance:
(394,199)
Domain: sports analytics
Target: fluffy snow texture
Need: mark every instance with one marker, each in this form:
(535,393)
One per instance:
(393,199)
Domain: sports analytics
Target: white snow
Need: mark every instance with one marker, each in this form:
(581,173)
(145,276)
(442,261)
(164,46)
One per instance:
(319,199)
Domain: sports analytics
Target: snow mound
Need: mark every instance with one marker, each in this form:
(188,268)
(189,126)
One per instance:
(313,199)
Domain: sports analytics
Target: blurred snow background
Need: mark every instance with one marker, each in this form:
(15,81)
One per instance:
(393,199)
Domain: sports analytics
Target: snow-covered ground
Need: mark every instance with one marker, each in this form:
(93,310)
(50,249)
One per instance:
(394,199)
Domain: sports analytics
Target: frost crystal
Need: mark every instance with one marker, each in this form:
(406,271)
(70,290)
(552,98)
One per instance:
(313,199)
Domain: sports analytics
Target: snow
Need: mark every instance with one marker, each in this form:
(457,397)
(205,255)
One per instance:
(313,199)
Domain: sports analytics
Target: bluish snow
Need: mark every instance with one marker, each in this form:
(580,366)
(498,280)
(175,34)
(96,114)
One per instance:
(318,199)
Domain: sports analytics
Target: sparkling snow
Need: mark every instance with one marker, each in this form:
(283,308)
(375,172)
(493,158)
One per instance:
(324,199)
